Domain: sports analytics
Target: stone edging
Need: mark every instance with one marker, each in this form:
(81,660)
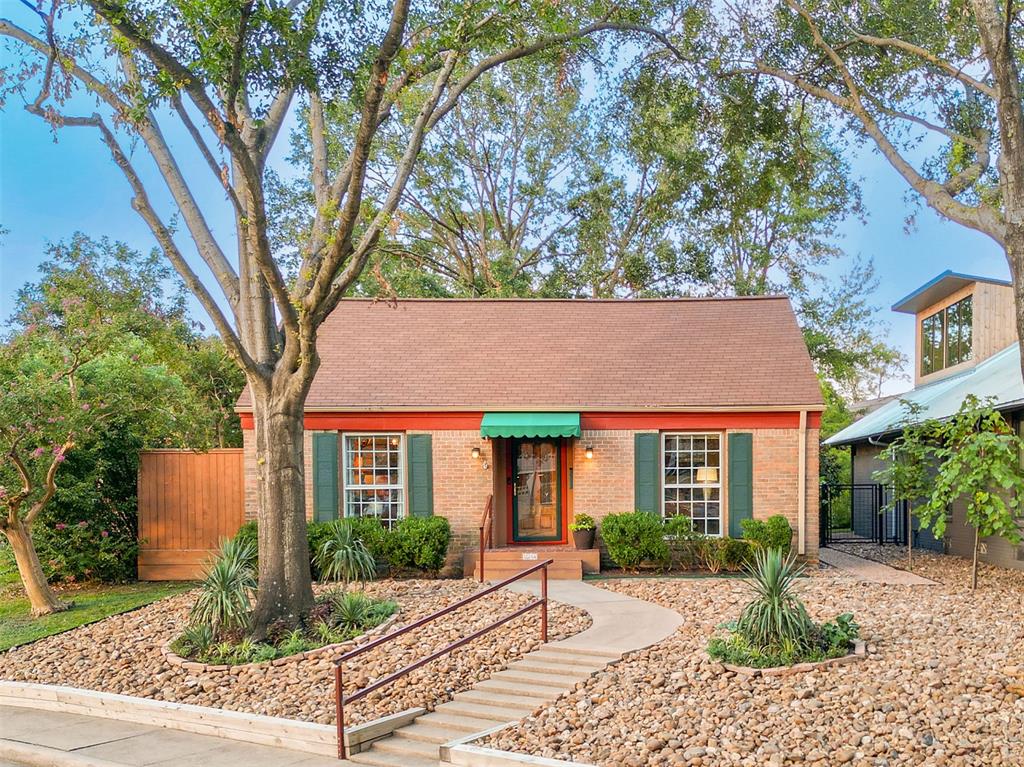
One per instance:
(858,654)
(330,649)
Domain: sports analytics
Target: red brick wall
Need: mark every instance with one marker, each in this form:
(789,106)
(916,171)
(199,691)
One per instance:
(602,485)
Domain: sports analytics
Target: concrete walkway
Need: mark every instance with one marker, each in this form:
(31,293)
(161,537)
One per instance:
(870,571)
(37,737)
(621,623)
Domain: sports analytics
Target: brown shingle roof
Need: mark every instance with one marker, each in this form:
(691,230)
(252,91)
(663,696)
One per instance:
(496,354)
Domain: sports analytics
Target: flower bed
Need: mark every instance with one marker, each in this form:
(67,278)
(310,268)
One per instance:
(336,618)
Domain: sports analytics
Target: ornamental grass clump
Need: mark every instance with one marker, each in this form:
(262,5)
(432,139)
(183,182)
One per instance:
(344,557)
(225,597)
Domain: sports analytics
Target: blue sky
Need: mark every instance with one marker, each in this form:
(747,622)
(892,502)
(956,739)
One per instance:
(49,190)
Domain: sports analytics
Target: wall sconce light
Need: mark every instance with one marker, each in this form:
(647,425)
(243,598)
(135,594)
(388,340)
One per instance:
(475,453)
(707,476)
(589,452)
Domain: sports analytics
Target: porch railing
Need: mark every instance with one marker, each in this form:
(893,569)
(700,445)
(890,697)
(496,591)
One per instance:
(340,699)
(486,532)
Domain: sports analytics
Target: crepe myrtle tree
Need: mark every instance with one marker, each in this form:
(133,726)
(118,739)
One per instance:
(935,87)
(226,75)
(979,462)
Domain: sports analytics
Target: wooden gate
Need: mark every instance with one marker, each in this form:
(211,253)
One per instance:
(188,502)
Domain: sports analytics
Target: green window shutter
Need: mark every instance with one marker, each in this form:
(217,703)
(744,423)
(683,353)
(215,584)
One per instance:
(741,481)
(421,475)
(646,471)
(325,476)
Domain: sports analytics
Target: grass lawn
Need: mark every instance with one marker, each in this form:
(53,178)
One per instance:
(91,603)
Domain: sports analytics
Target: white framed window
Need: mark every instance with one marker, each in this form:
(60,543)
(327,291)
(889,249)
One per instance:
(691,479)
(373,477)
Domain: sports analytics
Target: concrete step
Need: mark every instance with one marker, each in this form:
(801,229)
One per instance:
(560,570)
(399,744)
(475,710)
(381,759)
(507,687)
(557,681)
(529,663)
(502,700)
(436,734)
(451,720)
(588,662)
(576,651)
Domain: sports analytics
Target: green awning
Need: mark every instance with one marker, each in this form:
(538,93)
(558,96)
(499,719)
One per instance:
(530,425)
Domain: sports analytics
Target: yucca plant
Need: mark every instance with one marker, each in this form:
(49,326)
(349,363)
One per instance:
(351,610)
(775,618)
(225,598)
(344,557)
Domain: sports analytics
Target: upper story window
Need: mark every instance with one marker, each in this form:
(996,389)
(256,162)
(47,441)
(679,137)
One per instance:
(374,477)
(946,336)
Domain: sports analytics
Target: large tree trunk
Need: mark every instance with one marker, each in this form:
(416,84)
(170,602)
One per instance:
(40,595)
(285,585)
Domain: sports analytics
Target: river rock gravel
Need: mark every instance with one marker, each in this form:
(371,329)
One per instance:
(935,688)
(122,654)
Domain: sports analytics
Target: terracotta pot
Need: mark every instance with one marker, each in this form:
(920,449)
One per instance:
(583,539)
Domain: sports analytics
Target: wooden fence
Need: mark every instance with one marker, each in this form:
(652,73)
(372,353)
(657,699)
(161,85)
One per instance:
(188,502)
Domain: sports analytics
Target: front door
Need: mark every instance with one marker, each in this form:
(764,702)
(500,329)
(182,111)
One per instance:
(536,489)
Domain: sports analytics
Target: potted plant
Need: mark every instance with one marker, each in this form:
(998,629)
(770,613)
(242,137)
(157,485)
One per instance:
(583,528)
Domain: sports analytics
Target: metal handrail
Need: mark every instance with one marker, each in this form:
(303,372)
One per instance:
(485,523)
(340,699)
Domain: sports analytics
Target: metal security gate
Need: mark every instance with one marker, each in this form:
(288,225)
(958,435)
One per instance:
(853,512)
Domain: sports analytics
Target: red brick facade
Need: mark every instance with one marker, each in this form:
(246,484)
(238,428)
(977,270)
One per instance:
(602,485)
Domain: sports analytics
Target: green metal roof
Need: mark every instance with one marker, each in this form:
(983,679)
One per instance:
(530,425)
(998,377)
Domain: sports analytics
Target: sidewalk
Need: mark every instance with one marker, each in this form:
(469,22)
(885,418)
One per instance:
(868,570)
(30,736)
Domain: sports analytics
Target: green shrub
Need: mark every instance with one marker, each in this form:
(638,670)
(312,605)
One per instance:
(772,533)
(367,529)
(373,534)
(341,554)
(775,616)
(225,597)
(419,543)
(635,538)
(582,522)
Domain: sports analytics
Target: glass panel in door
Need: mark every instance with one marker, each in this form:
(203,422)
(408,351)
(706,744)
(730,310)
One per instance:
(537,495)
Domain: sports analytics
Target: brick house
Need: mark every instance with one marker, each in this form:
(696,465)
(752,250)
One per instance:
(552,408)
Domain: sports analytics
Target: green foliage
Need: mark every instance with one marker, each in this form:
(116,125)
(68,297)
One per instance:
(837,636)
(337,617)
(96,369)
(582,522)
(342,556)
(225,597)
(419,543)
(979,461)
(718,554)
(772,533)
(635,538)
(775,617)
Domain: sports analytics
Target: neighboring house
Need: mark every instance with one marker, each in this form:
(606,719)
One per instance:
(966,343)
(703,407)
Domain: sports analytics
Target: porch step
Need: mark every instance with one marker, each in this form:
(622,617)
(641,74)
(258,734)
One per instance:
(564,570)
(568,564)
